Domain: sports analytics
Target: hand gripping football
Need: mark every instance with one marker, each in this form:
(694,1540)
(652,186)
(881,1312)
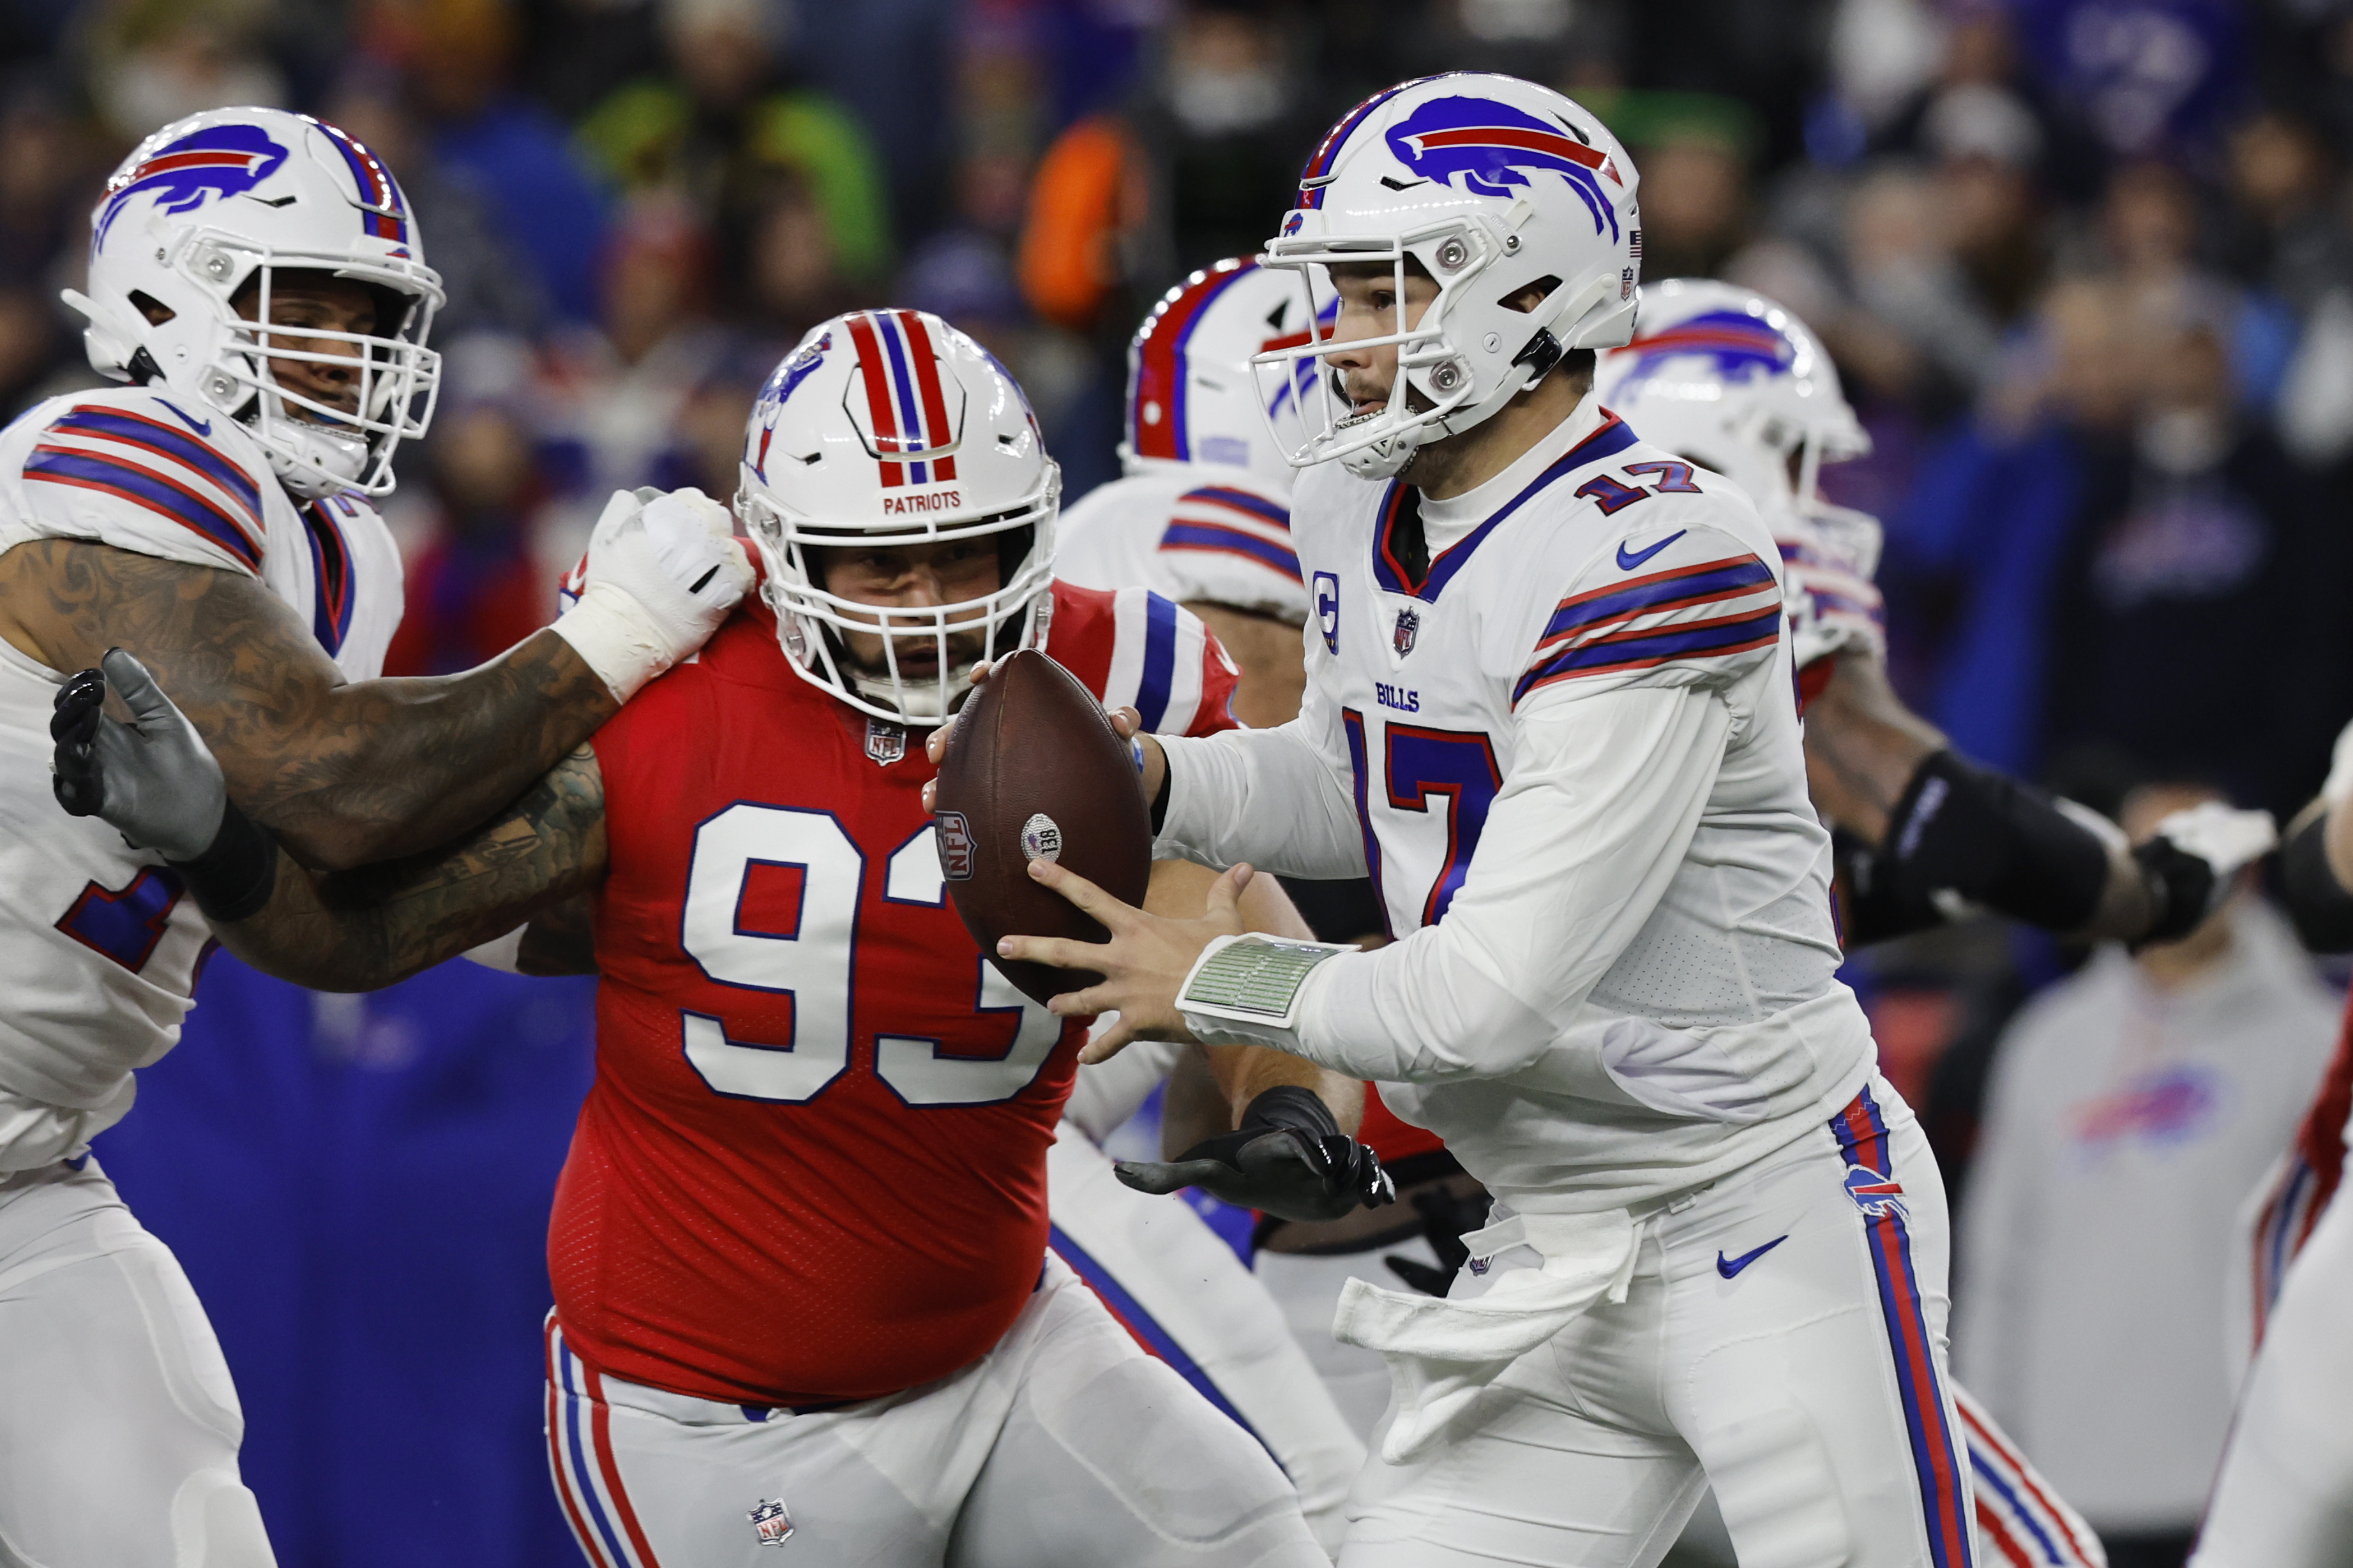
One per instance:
(1034,771)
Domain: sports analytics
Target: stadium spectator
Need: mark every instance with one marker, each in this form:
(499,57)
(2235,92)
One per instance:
(727,121)
(2132,1109)
(609,399)
(456,56)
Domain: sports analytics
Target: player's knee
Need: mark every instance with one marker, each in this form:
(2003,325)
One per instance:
(217,1523)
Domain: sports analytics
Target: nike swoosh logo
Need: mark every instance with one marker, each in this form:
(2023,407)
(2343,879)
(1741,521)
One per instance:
(1628,562)
(203,429)
(1728,1266)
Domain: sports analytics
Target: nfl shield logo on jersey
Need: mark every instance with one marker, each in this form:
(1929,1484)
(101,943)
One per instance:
(773,1523)
(1409,627)
(885,742)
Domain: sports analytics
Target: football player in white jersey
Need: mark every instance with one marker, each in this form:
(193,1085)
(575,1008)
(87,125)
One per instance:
(1550,709)
(1732,380)
(258,280)
(1203,516)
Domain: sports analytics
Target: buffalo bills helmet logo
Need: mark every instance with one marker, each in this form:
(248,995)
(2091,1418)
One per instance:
(1743,346)
(1291,223)
(1492,147)
(218,160)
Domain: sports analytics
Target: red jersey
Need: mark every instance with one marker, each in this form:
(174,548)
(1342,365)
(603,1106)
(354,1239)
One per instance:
(812,1166)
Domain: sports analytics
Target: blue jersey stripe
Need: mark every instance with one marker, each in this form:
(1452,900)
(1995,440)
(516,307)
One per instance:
(162,438)
(1159,660)
(91,472)
(1665,591)
(1242,500)
(1666,642)
(1145,1327)
(1234,541)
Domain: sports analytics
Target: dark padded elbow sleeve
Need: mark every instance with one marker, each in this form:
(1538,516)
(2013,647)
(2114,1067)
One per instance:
(2316,901)
(1984,836)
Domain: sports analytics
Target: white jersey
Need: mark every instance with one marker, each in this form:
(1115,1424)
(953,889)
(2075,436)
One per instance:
(100,949)
(1570,757)
(1187,530)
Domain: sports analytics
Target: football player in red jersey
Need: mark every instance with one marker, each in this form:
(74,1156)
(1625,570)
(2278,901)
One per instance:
(800,1247)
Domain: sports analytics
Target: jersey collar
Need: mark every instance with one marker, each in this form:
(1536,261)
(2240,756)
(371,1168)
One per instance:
(1605,436)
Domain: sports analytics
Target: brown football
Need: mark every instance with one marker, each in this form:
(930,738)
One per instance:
(1034,769)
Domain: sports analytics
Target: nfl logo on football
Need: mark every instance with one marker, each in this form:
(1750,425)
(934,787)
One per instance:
(1409,627)
(956,845)
(773,1523)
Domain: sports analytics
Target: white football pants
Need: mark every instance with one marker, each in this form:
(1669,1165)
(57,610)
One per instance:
(1306,1286)
(2284,1497)
(1783,1339)
(119,1425)
(1065,1446)
(1179,1289)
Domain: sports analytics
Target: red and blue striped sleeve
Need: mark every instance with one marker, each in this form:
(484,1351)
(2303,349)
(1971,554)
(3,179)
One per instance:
(1709,617)
(148,477)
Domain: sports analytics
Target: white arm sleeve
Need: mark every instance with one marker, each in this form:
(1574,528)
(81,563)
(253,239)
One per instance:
(1600,799)
(1282,799)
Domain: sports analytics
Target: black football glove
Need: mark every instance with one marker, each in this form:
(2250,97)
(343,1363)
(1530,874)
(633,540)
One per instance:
(1288,1158)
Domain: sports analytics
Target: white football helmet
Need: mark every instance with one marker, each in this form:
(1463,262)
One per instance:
(1191,396)
(1723,376)
(1727,378)
(232,195)
(1493,185)
(893,428)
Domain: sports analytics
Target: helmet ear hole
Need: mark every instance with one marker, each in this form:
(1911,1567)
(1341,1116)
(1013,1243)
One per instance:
(1525,300)
(154,310)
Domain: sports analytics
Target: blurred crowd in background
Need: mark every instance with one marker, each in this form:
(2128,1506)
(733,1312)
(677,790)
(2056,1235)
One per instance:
(2086,266)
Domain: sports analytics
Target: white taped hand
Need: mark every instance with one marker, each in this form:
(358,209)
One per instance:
(663,571)
(2222,836)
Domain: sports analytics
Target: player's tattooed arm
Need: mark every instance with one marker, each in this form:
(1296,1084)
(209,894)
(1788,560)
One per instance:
(359,930)
(560,940)
(343,772)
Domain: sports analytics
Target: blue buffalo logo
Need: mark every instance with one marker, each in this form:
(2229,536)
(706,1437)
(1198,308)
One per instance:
(1743,347)
(781,384)
(1490,147)
(1874,1193)
(218,160)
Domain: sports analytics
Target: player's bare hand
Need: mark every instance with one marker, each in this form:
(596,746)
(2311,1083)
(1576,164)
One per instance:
(1142,965)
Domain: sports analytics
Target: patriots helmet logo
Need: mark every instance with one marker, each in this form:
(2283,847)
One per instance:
(1744,347)
(217,161)
(1489,147)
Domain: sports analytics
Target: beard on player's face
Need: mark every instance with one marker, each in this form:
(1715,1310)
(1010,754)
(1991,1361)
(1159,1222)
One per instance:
(916,576)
